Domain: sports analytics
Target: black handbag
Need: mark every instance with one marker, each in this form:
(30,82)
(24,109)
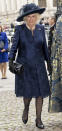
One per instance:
(16,68)
(1,44)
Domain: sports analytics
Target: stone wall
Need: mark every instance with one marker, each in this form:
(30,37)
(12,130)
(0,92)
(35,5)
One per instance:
(9,9)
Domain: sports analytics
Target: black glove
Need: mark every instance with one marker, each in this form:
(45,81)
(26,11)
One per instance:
(18,68)
(15,67)
(49,67)
(11,65)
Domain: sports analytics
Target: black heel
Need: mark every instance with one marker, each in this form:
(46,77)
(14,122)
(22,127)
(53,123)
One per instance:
(39,124)
(25,116)
(24,121)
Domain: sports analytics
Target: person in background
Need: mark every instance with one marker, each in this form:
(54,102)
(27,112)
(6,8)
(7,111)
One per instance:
(55,99)
(3,53)
(52,24)
(30,43)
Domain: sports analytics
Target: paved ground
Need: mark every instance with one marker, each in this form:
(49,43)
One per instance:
(11,109)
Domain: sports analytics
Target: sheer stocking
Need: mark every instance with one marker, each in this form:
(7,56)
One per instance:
(39,103)
(26,107)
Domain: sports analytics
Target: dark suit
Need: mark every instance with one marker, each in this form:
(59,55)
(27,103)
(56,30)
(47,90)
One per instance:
(32,53)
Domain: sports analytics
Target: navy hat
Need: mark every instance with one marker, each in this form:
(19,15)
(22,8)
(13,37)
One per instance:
(29,9)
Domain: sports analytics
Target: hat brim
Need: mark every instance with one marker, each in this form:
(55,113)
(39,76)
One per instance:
(40,11)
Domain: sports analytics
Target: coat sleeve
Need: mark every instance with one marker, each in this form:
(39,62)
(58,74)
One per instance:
(5,41)
(15,43)
(45,48)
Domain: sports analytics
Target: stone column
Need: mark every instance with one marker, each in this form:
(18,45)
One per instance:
(32,1)
(8,5)
(19,4)
(35,1)
(49,3)
(2,6)
(13,5)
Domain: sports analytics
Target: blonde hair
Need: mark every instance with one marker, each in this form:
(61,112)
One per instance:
(38,18)
(1,28)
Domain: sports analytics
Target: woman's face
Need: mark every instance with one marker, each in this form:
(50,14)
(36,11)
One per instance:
(51,21)
(31,20)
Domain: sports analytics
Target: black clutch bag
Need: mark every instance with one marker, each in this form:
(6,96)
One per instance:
(16,68)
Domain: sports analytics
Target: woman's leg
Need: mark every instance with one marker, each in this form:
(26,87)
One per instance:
(4,65)
(39,104)
(26,109)
(1,68)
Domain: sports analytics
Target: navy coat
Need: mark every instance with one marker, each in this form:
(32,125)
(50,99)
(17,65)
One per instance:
(32,53)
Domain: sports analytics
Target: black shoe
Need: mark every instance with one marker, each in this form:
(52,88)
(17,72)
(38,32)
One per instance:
(25,116)
(39,124)
(24,121)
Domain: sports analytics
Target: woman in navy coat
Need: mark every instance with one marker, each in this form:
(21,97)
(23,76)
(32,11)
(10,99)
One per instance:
(3,53)
(29,40)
